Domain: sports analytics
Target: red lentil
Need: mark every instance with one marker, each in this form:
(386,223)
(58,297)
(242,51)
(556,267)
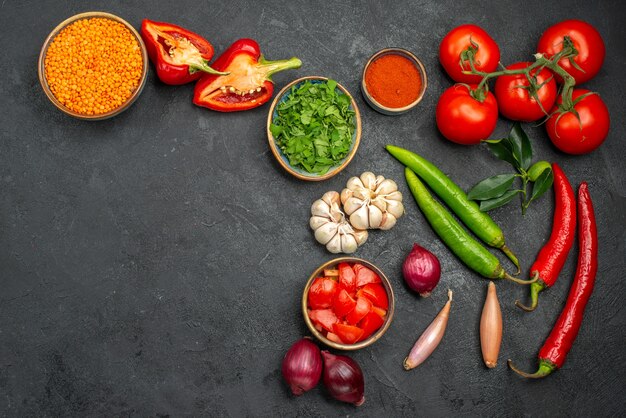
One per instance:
(93,65)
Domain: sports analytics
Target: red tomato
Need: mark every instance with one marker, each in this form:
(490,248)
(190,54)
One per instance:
(325,318)
(364,275)
(460,39)
(362,308)
(516,103)
(347,333)
(376,293)
(343,303)
(347,277)
(586,40)
(463,119)
(370,324)
(321,293)
(580,136)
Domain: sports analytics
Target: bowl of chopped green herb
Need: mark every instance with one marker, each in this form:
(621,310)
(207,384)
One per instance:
(314,128)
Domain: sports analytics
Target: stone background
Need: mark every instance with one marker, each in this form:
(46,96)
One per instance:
(152,264)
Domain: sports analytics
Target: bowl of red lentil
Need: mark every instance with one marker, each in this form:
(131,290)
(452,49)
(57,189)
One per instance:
(93,65)
(394,81)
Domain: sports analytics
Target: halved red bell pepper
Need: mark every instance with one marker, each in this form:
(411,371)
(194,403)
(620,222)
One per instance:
(248,84)
(180,56)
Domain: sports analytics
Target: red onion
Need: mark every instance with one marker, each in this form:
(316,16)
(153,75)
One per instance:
(302,366)
(343,378)
(421,270)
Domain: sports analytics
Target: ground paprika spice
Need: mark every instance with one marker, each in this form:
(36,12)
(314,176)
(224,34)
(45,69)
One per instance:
(393,81)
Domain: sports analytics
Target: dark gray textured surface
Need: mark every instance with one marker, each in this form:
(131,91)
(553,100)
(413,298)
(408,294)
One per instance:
(153,264)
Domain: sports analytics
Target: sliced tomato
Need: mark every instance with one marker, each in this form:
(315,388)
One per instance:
(348,334)
(343,303)
(364,275)
(347,277)
(362,308)
(370,324)
(325,318)
(380,312)
(334,337)
(321,293)
(376,293)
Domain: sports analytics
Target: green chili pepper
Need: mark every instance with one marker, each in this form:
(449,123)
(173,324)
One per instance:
(480,223)
(460,242)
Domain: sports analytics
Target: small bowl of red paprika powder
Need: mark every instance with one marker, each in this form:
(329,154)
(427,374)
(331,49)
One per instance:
(394,81)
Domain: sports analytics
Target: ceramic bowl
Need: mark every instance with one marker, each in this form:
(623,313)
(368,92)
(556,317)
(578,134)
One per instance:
(394,110)
(375,336)
(42,72)
(284,161)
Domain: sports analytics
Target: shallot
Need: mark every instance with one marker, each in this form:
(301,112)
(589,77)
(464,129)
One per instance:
(491,328)
(302,366)
(343,378)
(421,270)
(430,338)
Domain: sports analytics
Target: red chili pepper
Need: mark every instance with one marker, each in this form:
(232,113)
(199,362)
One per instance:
(180,56)
(554,351)
(249,83)
(552,256)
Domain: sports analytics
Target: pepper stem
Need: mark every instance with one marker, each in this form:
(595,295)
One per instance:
(535,288)
(511,257)
(272,67)
(545,368)
(507,276)
(203,65)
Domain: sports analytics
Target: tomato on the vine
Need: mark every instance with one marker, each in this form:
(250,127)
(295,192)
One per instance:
(581,131)
(586,40)
(459,39)
(514,97)
(462,118)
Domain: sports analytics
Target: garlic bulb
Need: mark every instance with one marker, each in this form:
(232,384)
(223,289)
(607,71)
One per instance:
(372,202)
(331,227)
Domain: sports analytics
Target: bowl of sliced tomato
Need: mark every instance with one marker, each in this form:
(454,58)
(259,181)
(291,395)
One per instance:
(348,303)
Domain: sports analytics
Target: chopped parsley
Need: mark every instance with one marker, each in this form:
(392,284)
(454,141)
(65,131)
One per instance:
(314,125)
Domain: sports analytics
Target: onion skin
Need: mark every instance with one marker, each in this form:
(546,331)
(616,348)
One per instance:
(302,366)
(430,338)
(491,328)
(421,270)
(343,378)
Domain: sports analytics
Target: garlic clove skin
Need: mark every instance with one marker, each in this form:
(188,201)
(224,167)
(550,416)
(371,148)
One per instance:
(379,195)
(387,186)
(369,180)
(345,195)
(354,183)
(320,208)
(330,226)
(351,205)
(395,208)
(394,196)
(360,236)
(375,217)
(387,222)
(334,245)
(316,221)
(326,232)
(360,218)
(348,243)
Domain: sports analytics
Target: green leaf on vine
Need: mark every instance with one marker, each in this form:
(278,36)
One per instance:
(491,187)
(487,205)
